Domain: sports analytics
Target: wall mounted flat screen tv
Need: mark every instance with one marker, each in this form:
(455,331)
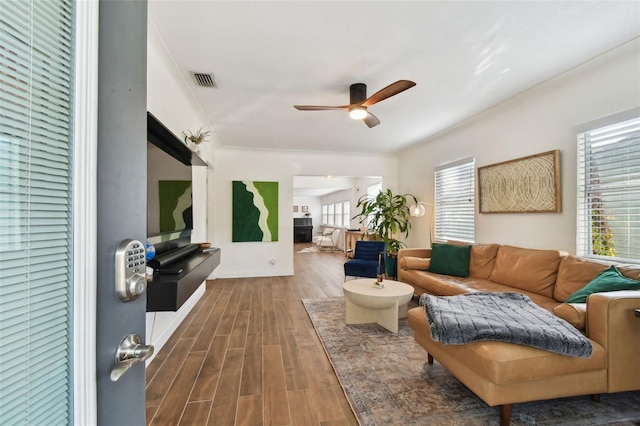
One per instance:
(169,197)
(169,184)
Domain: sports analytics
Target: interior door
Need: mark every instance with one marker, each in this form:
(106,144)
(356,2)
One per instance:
(121,199)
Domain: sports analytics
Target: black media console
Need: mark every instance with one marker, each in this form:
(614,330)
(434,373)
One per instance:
(178,273)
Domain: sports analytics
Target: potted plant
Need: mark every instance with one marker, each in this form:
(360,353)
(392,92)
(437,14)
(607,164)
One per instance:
(193,139)
(387,216)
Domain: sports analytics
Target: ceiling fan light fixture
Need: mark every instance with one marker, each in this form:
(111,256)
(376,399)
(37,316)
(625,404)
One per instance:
(359,102)
(358,113)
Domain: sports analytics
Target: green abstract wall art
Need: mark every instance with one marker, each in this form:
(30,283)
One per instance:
(255,211)
(176,211)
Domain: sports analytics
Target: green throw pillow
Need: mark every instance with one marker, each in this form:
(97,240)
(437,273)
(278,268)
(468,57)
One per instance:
(450,259)
(609,280)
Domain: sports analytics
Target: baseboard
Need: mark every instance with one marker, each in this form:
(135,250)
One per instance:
(161,325)
(271,272)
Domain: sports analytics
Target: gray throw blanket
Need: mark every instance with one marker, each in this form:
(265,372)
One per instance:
(508,317)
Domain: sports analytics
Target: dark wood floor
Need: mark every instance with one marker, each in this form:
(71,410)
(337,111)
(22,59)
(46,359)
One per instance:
(248,355)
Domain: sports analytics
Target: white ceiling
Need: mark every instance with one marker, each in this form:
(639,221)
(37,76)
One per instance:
(465,57)
(318,186)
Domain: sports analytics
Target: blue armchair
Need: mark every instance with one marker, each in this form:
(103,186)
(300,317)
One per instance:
(366,261)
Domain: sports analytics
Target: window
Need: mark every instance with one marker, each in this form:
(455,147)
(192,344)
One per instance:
(346,214)
(36,148)
(608,201)
(337,214)
(337,211)
(455,201)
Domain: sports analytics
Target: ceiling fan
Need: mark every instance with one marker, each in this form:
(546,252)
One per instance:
(358,101)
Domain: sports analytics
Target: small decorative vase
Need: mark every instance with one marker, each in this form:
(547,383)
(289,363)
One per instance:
(150,251)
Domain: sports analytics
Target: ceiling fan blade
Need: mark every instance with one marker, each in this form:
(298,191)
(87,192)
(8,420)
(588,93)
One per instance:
(371,120)
(320,108)
(387,92)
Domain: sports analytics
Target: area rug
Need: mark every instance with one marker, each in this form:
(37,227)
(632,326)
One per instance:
(387,381)
(312,249)
(315,249)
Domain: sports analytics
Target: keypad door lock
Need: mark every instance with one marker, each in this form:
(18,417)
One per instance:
(131,280)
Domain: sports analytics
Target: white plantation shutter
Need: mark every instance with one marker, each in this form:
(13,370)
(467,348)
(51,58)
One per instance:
(338,214)
(608,222)
(454,211)
(36,63)
(346,214)
(330,214)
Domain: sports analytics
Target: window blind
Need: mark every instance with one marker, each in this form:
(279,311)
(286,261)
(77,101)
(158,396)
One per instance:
(608,202)
(36,63)
(454,212)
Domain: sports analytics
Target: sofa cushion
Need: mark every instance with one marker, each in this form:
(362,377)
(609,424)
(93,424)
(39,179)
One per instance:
(441,285)
(630,271)
(483,257)
(448,285)
(573,274)
(450,259)
(411,262)
(527,269)
(608,280)
(573,313)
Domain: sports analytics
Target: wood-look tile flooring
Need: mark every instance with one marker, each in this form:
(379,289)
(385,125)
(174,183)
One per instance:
(247,354)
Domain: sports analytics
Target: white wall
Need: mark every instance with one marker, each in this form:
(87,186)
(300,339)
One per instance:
(253,259)
(360,189)
(541,119)
(170,101)
(312,204)
(314,209)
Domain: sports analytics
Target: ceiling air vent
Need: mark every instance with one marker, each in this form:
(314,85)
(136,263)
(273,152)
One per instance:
(204,79)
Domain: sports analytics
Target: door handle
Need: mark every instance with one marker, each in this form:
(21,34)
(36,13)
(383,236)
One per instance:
(129,353)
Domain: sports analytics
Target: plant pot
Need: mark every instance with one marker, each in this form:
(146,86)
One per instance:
(391,263)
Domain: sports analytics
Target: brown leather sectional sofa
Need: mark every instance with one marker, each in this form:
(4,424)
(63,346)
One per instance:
(504,373)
